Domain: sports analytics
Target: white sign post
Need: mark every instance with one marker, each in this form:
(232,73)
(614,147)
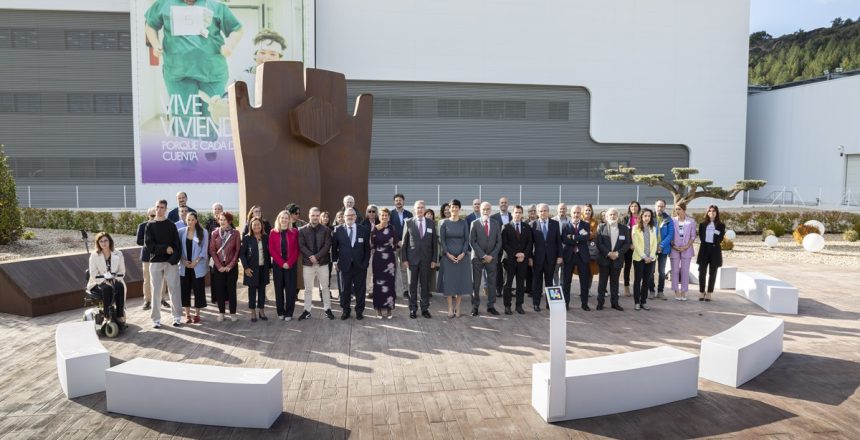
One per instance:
(549,392)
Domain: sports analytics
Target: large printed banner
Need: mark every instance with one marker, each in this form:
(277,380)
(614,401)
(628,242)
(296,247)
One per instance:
(188,52)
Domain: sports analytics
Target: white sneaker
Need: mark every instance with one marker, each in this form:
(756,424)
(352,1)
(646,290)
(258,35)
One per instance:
(220,318)
(636,307)
(288,318)
(233,318)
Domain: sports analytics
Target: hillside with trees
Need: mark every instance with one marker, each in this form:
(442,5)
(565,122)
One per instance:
(804,54)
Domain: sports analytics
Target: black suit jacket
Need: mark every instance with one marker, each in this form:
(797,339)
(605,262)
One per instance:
(604,244)
(575,238)
(716,257)
(395,221)
(345,254)
(498,217)
(250,258)
(546,251)
(513,243)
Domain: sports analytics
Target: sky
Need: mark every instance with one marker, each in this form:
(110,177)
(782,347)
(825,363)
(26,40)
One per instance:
(779,17)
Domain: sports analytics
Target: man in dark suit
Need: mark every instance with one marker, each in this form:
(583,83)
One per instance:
(546,254)
(181,200)
(517,246)
(418,254)
(476,212)
(613,241)
(350,250)
(485,239)
(574,240)
(503,217)
(398,218)
(349,202)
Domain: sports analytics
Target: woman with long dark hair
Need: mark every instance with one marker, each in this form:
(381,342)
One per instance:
(193,266)
(644,255)
(224,249)
(257,263)
(107,268)
(710,257)
(630,220)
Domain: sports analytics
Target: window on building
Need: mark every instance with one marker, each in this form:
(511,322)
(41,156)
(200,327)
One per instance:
(25,38)
(126,104)
(105,40)
(28,103)
(5,38)
(78,40)
(81,103)
(124,41)
(107,103)
(559,110)
(7,103)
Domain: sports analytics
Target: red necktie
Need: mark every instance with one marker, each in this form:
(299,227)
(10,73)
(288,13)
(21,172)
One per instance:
(487,227)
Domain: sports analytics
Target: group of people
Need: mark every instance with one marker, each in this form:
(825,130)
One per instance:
(510,253)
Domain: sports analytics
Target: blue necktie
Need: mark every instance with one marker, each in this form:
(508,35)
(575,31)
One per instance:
(543,226)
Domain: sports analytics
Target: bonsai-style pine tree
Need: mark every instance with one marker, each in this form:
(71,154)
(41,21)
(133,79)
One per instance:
(10,216)
(683,188)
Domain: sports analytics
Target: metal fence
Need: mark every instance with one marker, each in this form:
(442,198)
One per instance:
(77,196)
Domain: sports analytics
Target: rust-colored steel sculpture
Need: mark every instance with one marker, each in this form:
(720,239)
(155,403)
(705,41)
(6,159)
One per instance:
(300,145)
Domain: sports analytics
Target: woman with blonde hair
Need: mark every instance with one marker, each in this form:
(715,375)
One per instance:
(284,249)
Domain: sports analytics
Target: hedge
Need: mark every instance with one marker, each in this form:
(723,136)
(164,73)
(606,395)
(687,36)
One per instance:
(754,222)
(115,223)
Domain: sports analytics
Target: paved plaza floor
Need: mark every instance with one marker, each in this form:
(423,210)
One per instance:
(466,377)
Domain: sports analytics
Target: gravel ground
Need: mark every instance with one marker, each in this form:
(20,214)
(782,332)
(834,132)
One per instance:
(837,252)
(55,242)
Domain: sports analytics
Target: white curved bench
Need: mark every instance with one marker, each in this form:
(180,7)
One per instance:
(742,352)
(622,382)
(81,359)
(193,393)
(771,294)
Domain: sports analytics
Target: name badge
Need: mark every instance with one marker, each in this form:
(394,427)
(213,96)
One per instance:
(360,240)
(621,237)
(582,232)
(429,230)
(717,232)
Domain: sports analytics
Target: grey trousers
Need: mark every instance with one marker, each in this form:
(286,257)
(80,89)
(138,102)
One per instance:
(168,274)
(478,269)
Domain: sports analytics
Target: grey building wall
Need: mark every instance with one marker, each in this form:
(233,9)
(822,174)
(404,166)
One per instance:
(437,141)
(66,107)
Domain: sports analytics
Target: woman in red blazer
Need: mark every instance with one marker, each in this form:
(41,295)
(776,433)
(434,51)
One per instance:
(284,249)
(224,247)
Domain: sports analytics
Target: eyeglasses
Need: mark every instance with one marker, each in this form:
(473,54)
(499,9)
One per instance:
(371,212)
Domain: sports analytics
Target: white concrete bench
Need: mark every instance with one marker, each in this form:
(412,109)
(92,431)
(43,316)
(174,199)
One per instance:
(771,294)
(81,359)
(726,275)
(742,352)
(192,393)
(623,382)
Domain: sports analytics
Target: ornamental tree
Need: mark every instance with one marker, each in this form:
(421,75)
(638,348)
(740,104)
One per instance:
(682,187)
(10,216)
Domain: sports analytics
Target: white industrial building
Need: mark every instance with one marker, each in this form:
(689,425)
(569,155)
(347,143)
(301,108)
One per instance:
(526,99)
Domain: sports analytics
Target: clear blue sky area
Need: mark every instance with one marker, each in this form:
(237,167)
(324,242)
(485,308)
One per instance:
(780,17)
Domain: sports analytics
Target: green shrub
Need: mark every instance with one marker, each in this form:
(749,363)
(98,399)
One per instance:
(28,235)
(850,235)
(10,218)
(777,228)
(122,223)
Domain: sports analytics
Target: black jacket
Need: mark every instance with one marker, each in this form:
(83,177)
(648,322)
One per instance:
(712,254)
(250,257)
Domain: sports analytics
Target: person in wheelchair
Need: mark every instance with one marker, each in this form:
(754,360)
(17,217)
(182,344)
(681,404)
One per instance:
(106,271)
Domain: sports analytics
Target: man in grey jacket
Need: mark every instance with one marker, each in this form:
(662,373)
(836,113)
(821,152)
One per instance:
(485,238)
(314,245)
(418,254)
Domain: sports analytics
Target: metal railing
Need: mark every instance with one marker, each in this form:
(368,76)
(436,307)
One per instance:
(77,196)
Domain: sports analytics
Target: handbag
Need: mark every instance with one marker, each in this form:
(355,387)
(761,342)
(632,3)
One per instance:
(592,249)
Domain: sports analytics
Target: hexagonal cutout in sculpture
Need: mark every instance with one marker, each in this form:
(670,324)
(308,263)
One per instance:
(314,122)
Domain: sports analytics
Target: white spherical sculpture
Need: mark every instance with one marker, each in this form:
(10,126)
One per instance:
(813,243)
(817,224)
(771,241)
(730,234)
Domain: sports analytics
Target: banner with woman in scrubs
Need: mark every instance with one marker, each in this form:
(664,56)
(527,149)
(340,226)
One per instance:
(189,52)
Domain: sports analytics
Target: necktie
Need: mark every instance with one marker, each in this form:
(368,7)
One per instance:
(349,233)
(421,228)
(487,227)
(543,227)
(518,229)
(576,231)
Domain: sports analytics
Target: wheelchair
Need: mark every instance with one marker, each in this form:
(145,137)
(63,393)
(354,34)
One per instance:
(106,325)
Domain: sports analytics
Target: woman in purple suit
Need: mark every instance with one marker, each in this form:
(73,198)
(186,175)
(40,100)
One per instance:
(682,251)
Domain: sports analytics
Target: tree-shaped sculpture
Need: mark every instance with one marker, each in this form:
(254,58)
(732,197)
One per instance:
(300,145)
(683,188)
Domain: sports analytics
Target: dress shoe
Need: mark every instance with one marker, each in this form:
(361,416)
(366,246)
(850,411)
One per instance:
(586,308)
(644,307)
(600,307)
(147,305)
(344,316)
(413,314)
(359,316)
(426,314)
(328,314)
(492,311)
(508,311)
(520,310)
(537,308)
(475,311)
(617,307)
(165,304)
